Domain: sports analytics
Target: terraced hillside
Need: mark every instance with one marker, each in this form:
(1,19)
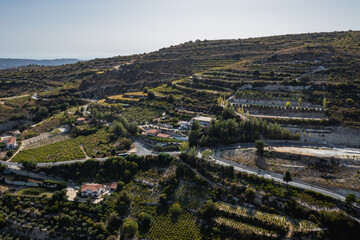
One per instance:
(323,69)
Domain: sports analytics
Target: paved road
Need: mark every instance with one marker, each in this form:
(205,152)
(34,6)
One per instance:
(19,165)
(278,177)
(143,150)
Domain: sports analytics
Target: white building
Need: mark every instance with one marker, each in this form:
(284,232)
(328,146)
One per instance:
(204,121)
(91,190)
(184,125)
(10,142)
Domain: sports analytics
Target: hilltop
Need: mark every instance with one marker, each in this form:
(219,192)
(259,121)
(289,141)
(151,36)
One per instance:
(327,65)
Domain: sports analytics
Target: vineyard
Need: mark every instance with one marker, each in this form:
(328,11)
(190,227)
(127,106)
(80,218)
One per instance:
(60,151)
(241,219)
(44,141)
(190,196)
(184,228)
(243,227)
(305,226)
(244,220)
(69,149)
(278,221)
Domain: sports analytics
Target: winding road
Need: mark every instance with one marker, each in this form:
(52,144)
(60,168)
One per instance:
(143,150)
(278,178)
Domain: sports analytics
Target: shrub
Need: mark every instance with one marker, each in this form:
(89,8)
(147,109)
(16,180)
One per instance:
(130,227)
(175,210)
(250,193)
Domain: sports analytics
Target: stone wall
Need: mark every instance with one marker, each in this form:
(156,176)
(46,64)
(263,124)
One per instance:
(342,136)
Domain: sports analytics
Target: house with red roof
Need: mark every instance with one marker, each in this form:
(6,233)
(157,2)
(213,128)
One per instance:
(163,135)
(10,142)
(112,187)
(95,190)
(152,132)
(91,190)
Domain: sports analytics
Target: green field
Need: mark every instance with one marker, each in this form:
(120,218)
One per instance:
(94,145)
(183,228)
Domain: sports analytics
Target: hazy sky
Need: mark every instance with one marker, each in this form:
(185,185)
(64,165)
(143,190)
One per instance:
(103,28)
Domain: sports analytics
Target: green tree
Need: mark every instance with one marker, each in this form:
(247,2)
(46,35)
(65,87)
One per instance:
(194,134)
(192,152)
(151,95)
(208,209)
(288,104)
(145,90)
(206,154)
(175,211)
(113,222)
(250,193)
(350,198)
(287,177)
(180,169)
(118,129)
(171,98)
(100,227)
(195,125)
(299,101)
(29,165)
(228,112)
(145,221)
(10,153)
(324,102)
(184,147)
(2,221)
(41,113)
(260,145)
(130,227)
(133,128)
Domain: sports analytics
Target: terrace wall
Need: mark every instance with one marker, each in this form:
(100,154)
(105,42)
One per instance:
(342,136)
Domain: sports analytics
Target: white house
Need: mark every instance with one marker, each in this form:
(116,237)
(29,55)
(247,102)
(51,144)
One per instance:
(185,125)
(204,121)
(91,190)
(10,142)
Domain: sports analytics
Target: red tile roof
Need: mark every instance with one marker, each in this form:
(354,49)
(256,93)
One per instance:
(162,135)
(113,185)
(153,131)
(9,140)
(92,187)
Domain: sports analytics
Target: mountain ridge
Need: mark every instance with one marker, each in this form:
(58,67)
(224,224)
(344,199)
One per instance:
(19,62)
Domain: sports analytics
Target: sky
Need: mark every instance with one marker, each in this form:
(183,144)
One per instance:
(86,29)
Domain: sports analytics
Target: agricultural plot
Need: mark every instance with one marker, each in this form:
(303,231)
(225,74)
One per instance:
(185,227)
(305,226)
(144,190)
(243,227)
(191,196)
(271,220)
(165,90)
(60,151)
(70,149)
(44,141)
(141,114)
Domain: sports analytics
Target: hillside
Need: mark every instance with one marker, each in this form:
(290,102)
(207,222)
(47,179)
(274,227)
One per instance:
(313,66)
